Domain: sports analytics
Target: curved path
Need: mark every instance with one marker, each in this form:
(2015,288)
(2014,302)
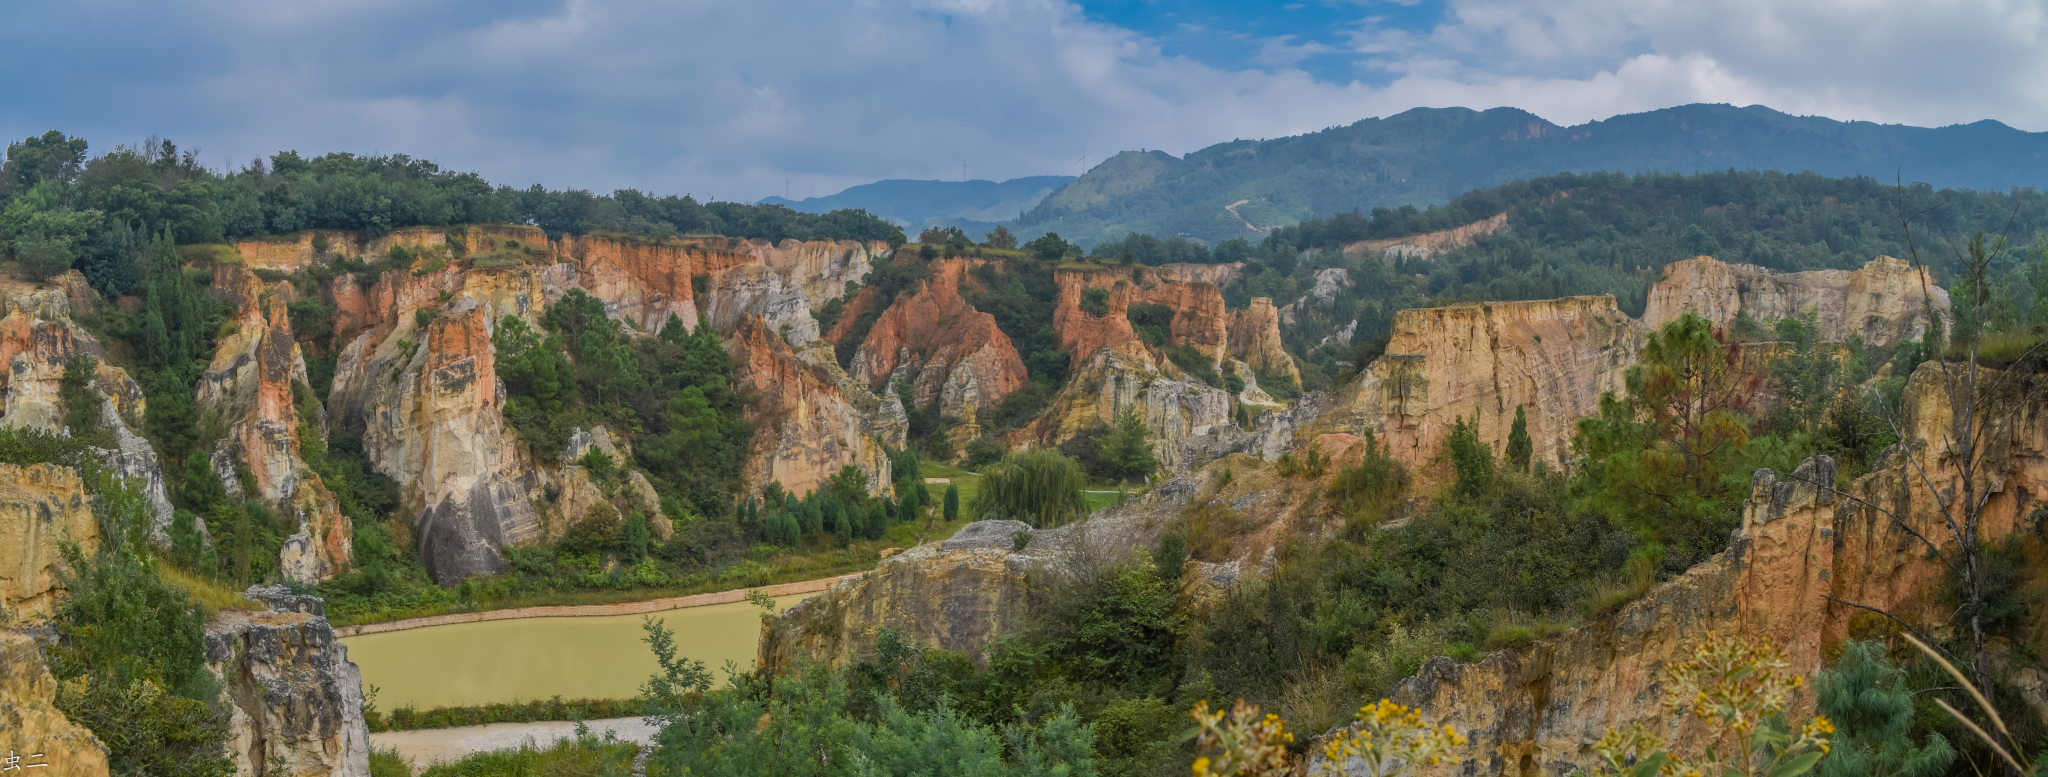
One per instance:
(574,610)
(426,747)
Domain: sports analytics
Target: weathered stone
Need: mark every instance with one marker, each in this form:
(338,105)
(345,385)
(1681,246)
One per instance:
(295,700)
(754,290)
(819,268)
(1199,319)
(805,428)
(1255,338)
(42,506)
(953,355)
(1800,541)
(1551,357)
(1884,302)
(1129,378)
(31,726)
(1426,244)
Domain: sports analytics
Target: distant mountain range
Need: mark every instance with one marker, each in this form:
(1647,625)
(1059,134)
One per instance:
(1427,156)
(908,203)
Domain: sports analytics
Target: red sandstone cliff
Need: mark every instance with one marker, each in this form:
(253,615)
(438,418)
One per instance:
(805,428)
(952,354)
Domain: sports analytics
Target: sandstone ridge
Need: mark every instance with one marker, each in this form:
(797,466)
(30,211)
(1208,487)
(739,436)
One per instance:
(1885,301)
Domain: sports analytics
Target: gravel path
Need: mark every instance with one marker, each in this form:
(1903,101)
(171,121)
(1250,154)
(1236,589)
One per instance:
(450,744)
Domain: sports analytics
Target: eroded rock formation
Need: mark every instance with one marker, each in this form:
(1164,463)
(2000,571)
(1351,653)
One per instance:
(1199,319)
(805,428)
(31,726)
(1535,711)
(1552,357)
(41,507)
(1884,302)
(953,355)
(1176,411)
(253,390)
(1426,244)
(295,701)
(38,340)
(1255,338)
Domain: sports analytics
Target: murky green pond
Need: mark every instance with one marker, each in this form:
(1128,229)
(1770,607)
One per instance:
(536,658)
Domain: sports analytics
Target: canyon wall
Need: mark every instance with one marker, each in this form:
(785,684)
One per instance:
(1551,357)
(41,507)
(38,340)
(1255,338)
(954,356)
(254,389)
(295,701)
(31,726)
(1884,302)
(1177,412)
(1536,710)
(1199,319)
(805,428)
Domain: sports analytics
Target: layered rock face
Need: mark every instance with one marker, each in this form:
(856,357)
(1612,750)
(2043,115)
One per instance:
(643,282)
(31,726)
(37,341)
(1427,244)
(431,413)
(751,290)
(1536,711)
(961,594)
(805,428)
(1884,302)
(1552,357)
(249,390)
(298,252)
(1198,316)
(1176,412)
(952,355)
(1255,338)
(296,701)
(819,268)
(41,506)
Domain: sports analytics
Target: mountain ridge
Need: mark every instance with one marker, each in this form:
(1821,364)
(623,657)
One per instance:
(1426,156)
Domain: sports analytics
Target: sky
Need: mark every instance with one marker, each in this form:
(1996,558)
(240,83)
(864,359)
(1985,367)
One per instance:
(741,100)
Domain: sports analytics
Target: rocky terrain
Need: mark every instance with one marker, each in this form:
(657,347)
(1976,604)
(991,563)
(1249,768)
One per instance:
(30,724)
(1886,301)
(953,356)
(41,507)
(1535,711)
(295,700)
(1480,361)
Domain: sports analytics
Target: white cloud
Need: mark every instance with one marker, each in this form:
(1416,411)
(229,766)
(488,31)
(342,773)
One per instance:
(731,99)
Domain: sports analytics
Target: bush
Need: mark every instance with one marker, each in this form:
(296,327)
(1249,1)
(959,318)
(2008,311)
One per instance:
(983,451)
(1095,302)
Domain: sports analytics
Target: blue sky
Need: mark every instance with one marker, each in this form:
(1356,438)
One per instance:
(733,99)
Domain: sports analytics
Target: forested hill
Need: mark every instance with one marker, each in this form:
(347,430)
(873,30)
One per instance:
(1427,156)
(946,203)
(60,208)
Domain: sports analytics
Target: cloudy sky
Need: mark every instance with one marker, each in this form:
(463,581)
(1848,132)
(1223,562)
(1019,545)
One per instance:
(733,98)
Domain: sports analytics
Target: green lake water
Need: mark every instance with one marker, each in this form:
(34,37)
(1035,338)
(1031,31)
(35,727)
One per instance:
(536,658)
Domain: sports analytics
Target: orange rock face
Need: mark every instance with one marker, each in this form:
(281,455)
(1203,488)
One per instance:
(952,354)
(1552,357)
(1199,319)
(805,429)
(248,388)
(1884,302)
(646,282)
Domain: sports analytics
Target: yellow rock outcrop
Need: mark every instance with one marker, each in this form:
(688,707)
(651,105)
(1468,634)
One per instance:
(1552,357)
(1535,711)
(1884,302)
(41,507)
(32,727)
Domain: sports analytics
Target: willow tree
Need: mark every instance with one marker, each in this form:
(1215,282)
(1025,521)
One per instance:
(1035,485)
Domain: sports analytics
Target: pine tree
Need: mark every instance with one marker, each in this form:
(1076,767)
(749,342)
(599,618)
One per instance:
(952,503)
(1519,448)
(878,520)
(1124,453)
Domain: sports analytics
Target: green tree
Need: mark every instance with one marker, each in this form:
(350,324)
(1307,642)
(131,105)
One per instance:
(49,157)
(1034,485)
(1803,373)
(1123,451)
(1666,458)
(1872,709)
(952,505)
(1470,456)
(1520,450)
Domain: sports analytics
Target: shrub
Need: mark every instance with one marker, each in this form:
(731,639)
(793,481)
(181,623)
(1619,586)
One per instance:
(1095,302)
